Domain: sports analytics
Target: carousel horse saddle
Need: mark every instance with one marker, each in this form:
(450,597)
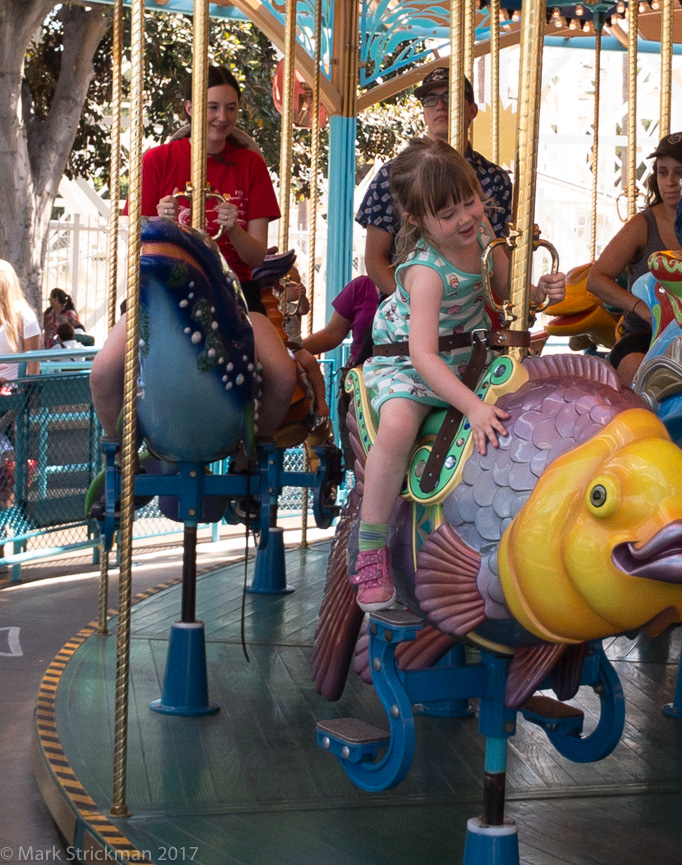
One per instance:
(501,376)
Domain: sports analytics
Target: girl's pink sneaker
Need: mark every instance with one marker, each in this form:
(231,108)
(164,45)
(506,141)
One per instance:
(373,578)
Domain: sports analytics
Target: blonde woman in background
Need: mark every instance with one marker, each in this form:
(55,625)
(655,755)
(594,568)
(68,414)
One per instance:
(19,327)
(19,332)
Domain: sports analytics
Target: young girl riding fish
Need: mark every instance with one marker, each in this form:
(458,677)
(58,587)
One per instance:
(439,292)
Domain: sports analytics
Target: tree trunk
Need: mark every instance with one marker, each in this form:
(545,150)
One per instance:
(34,151)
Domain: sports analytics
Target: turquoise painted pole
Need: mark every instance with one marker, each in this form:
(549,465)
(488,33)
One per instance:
(340,215)
(340,211)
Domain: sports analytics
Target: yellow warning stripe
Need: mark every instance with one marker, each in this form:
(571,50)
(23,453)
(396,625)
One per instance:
(53,752)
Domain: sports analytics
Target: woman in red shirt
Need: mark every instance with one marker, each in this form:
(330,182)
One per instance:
(249,204)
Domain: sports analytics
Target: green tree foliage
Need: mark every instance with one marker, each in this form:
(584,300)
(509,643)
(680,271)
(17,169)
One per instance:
(168,57)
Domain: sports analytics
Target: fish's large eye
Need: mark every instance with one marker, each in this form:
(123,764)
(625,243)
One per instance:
(598,496)
(602,497)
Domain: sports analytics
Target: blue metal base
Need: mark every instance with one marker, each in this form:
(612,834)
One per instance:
(185,689)
(672,711)
(270,577)
(491,845)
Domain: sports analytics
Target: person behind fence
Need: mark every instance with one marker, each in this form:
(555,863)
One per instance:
(249,204)
(66,336)
(60,311)
(296,300)
(438,293)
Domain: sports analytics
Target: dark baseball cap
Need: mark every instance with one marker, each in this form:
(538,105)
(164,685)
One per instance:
(671,146)
(437,78)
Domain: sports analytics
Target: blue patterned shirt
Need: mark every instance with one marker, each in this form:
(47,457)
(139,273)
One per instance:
(377,205)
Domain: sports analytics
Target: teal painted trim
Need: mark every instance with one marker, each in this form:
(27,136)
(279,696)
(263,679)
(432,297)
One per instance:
(609,43)
(186,7)
(495,754)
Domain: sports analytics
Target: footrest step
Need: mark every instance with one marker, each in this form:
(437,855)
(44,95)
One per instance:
(352,731)
(548,707)
(396,618)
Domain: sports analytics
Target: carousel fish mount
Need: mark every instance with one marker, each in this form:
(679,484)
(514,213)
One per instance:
(569,532)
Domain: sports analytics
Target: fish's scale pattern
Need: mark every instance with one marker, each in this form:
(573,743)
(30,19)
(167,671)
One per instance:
(567,400)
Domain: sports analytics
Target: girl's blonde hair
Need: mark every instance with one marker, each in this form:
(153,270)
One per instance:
(11,300)
(427,177)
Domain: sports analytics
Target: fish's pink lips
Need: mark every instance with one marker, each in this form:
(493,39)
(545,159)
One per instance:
(660,558)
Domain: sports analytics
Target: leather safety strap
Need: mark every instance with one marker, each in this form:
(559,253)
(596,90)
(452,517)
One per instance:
(452,419)
(489,338)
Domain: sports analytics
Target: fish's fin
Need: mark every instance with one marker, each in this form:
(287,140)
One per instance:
(583,365)
(528,669)
(445,582)
(340,618)
(427,648)
(565,677)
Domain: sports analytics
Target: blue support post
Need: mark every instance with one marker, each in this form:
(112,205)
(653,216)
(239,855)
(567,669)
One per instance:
(341,178)
(185,690)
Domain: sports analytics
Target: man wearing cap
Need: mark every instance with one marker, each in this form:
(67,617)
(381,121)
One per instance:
(376,212)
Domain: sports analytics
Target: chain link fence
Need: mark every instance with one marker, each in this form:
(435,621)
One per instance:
(50,453)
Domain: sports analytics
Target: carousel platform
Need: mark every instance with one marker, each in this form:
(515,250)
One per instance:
(248,785)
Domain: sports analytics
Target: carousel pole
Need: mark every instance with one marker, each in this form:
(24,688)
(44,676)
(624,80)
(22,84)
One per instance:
(287,122)
(456,112)
(666,65)
(199,103)
(633,24)
(114,221)
(595,134)
(530,81)
(185,687)
(312,230)
(128,445)
(495,80)
(469,39)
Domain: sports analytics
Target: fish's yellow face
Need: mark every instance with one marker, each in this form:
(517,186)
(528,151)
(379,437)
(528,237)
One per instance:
(597,548)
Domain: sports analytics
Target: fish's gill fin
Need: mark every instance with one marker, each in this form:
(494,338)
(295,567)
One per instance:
(445,582)
(565,677)
(583,365)
(529,667)
(340,618)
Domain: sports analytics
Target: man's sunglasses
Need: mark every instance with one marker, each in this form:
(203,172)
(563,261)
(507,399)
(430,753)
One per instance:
(432,101)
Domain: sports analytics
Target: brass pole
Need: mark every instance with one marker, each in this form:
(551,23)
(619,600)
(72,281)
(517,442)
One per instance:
(456,124)
(287,122)
(128,446)
(495,80)
(115,167)
(595,139)
(312,228)
(530,80)
(199,101)
(469,37)
(114,222)
(666,65)
(633,24)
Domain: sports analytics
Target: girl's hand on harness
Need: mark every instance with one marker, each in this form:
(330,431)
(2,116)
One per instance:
(486,424)
(551,285)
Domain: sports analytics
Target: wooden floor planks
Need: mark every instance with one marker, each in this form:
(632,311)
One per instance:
(248,786)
